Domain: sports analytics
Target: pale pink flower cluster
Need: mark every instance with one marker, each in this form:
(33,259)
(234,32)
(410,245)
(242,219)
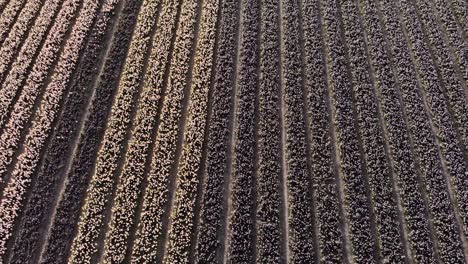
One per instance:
(15,191)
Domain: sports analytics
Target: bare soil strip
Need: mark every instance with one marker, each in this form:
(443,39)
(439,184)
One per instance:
(64,225)
(233,131)
(211,238)
(60,150)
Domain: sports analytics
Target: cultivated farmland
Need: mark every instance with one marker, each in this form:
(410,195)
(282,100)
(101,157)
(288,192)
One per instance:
(235,131)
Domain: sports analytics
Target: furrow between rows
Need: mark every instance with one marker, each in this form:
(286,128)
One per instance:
(269,176)
(457,102)
(37,214)
(298,178)
(402,107)
(100,191)
(10,15)
(381,189)
(20,116)
(352,172)
(460,8)
(324,186)
(137,159)
(452,33)
(18,58)
(66,212)
(16,189)
(447,230)
(241,225)
(209,246)
(187,182)
(156,197)
(21,27)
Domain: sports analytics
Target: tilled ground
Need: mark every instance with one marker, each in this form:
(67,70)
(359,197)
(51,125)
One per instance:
(234,131)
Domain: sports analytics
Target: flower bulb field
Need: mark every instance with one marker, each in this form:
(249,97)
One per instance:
(233,131)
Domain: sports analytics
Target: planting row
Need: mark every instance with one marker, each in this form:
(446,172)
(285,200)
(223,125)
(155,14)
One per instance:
(210,247)
(18,55)
(270,172)
(108,161)
(22,109)
(18,33)
(27,162)
(454,34)
(182,229)
(10,15)
(65,221)
(385,49)
(27,244)
(448,31)
(433,85)
(137,159)
(241,212)
(302,248)
(324,175)
(159,193)
(460,10)
(446,66)
(356,201)
(380,179)
(270,131)
(446,228)
(453,85)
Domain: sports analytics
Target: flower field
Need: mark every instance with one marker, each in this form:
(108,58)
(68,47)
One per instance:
(233,131)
